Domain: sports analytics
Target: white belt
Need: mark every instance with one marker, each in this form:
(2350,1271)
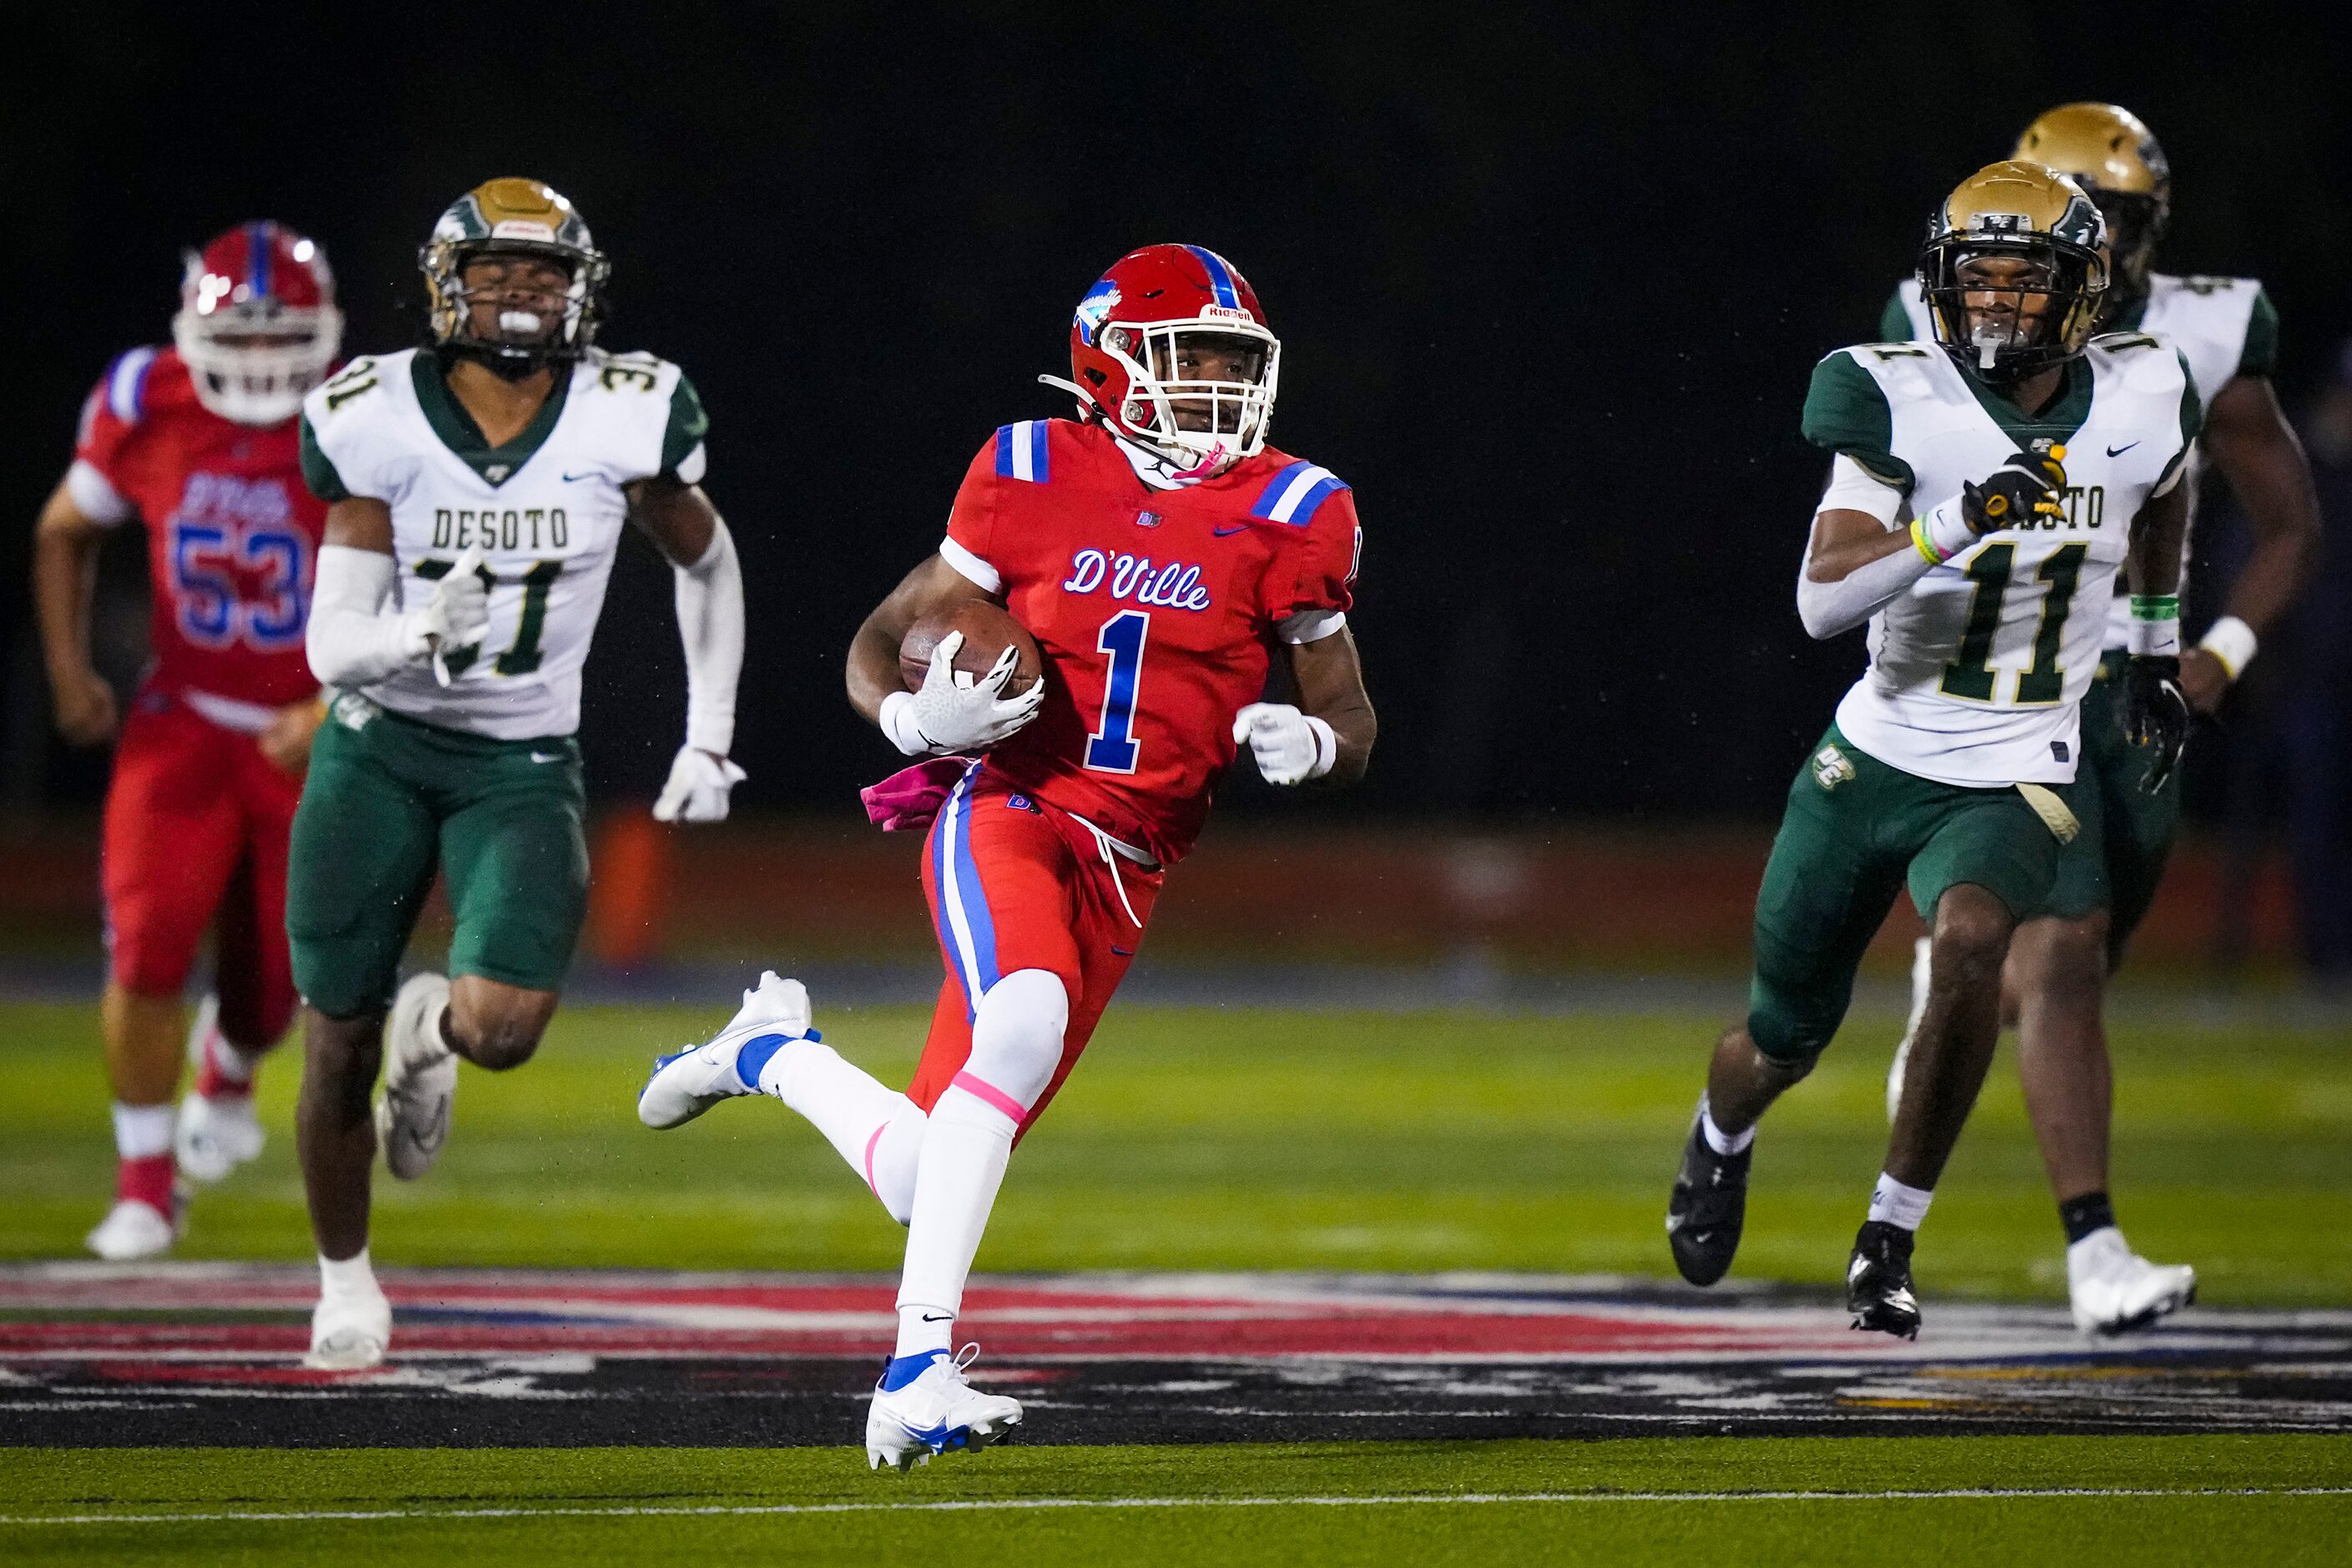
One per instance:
(1113,850)
(230,713)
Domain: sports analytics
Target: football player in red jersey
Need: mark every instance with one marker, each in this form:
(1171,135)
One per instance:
(1168,562)
(198,442)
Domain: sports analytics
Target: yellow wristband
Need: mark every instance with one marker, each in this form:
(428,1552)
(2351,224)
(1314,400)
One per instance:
(1920,542)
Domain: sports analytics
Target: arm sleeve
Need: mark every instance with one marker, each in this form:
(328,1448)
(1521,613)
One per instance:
(2260,356)
(683,458)
(1845,412)
(1321,589)
(1829,608)
(971,523)
(710,626)
(1894,321)
(352,639)
(319,471)
(2192,423)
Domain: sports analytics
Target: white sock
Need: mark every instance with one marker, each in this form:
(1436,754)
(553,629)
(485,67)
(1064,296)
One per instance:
(923,1330)
(1894,1204)
(142,1132)
(348,1277)
(966,1147)
(1016,1043)
(856,1115)
(1722,1143)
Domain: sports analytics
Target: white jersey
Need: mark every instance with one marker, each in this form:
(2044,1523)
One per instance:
(2224,327)
(547,509)
(1978,671)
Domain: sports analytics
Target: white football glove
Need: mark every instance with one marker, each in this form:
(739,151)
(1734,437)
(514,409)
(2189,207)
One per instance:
(456,617)
(1290,747)
(954,712)
(697,791)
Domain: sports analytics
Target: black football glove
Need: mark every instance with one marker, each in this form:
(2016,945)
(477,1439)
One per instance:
(2156,714)
(2025,487)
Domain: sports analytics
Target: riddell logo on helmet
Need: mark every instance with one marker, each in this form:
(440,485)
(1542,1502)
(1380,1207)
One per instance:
(521,229)
(1225,314)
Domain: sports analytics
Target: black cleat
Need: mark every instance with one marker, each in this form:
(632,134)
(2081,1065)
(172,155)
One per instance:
(1878,1281)
(1708,1205)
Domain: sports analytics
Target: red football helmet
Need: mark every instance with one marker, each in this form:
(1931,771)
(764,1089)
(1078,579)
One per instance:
(258,324)
(1128,357)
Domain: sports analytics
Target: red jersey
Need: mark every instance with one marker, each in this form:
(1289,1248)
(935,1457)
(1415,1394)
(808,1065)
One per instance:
(1157,611)
(232,532)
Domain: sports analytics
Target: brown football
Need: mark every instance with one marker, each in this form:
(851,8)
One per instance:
(987,631)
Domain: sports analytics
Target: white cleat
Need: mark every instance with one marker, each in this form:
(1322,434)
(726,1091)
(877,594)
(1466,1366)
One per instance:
(349,1333)
(935,1411)
(132,1230)
(1895,1069)
(2114,1290)
(213,1137)
(210,1138)
(420,1079)
(686,1085)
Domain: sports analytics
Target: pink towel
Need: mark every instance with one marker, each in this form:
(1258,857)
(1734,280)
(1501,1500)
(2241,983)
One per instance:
(911,797)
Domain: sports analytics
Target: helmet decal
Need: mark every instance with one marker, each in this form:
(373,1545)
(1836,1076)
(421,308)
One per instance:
(1096,307)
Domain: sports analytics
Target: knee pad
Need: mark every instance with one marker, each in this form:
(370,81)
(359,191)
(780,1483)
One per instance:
(1016,1033)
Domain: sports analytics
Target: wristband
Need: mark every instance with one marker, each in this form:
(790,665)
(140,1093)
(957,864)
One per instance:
(897,721)
(1942,533)
(2231,642)
(2154,625)
(1326,747)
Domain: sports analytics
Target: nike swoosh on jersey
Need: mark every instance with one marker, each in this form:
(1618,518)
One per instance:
(2118,451)
(1237,528)
(575,478)
(547,756)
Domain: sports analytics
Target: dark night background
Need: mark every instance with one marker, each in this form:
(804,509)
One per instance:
(1549,285)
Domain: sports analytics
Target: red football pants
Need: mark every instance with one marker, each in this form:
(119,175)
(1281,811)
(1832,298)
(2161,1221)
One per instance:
(1014,885)
(196,827)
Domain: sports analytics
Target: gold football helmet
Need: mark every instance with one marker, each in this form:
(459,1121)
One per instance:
(513,217)
(2015,269)
(2112,155)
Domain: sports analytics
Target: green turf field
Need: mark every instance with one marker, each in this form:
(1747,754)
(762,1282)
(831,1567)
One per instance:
(1268,1140)
(2143,1500)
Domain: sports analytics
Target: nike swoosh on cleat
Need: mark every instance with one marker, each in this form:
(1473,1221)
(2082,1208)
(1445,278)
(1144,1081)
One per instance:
(2120,451)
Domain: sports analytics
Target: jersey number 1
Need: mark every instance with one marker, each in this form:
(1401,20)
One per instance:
(523,656)
(1111,749)
(1970,677)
